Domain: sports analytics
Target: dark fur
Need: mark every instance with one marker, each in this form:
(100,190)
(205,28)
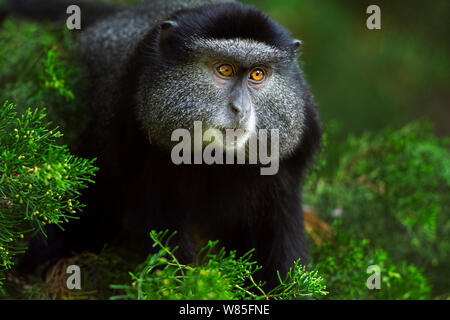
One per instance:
(228,21)
(139,189)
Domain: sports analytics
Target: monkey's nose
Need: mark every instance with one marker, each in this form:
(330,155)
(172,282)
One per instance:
(235,108)
(239,111)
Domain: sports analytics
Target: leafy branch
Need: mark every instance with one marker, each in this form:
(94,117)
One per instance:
(216,274)
(39,179)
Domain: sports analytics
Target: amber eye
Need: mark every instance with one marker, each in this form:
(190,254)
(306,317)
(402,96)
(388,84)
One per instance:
(257,75)
(225,70)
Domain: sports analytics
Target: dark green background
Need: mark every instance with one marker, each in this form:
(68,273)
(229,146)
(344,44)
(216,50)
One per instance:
(368,79)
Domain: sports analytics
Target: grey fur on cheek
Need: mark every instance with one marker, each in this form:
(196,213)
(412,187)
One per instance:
(282,111)
(177,98)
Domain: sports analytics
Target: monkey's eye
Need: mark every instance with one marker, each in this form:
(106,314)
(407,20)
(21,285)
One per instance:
(257,75)
(225,70)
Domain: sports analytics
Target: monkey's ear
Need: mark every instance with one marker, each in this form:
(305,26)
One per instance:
(296,44)
(166,28)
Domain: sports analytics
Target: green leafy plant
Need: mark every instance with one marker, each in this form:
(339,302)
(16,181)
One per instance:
(216,275)
(343,263)
(392,188)
(54,75)
(36,71)
(39,179)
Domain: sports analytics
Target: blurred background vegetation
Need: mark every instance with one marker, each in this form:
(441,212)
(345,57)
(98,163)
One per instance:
(380,190)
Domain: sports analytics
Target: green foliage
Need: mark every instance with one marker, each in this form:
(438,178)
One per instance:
(393,188)
(35,71)
(216,275)
(56,71)
(39,179)
(343,262)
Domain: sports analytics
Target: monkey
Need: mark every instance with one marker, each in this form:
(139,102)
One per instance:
(159,66)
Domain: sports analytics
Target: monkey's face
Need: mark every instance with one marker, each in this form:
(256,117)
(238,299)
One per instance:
(227,84)
(235,83)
